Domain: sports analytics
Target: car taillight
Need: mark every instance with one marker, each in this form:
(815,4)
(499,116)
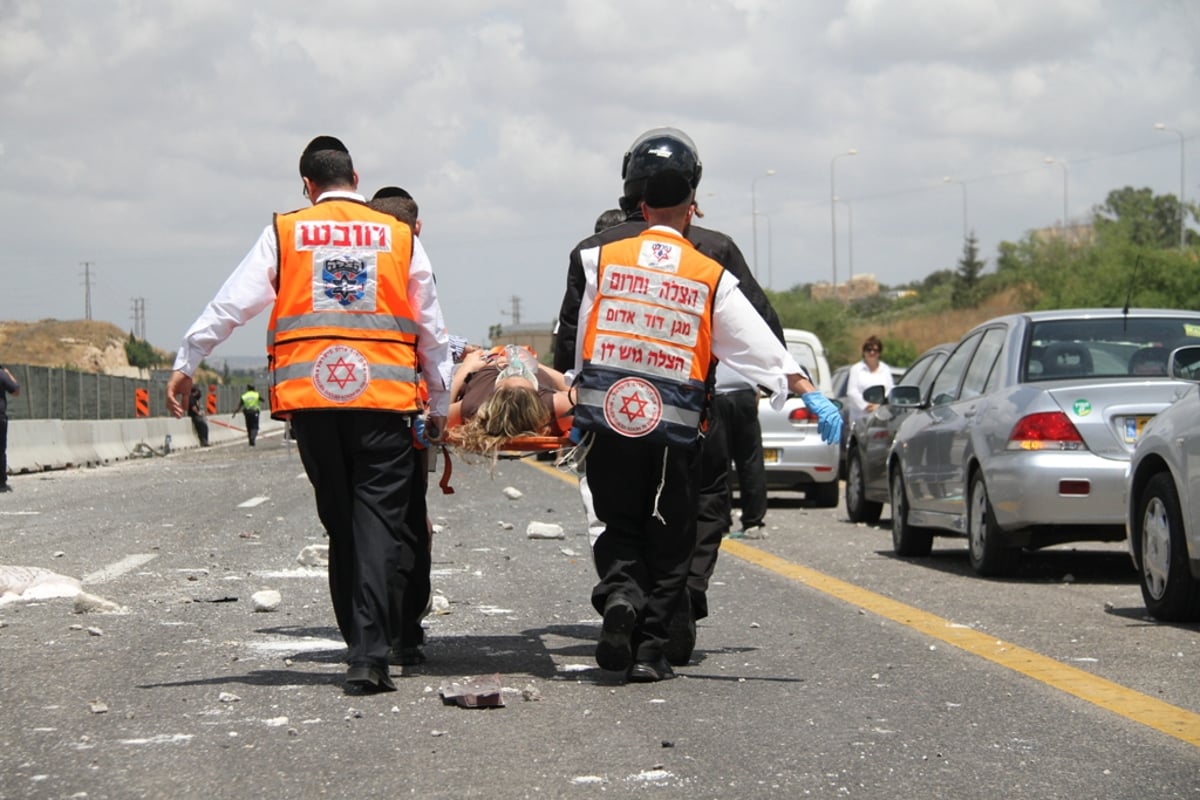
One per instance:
(1049,430)
(801,414)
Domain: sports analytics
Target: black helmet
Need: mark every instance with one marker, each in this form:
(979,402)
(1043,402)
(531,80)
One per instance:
(655,151)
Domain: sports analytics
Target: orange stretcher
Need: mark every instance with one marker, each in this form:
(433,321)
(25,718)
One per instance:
(519,447)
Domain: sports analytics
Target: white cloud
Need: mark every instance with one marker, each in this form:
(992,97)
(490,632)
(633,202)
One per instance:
(155,139)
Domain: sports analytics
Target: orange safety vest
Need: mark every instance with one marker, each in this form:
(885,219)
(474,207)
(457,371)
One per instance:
(342,333)
(647,346)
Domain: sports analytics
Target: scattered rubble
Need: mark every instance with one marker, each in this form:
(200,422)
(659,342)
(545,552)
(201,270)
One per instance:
(266,600)
(545,530)
(480,691)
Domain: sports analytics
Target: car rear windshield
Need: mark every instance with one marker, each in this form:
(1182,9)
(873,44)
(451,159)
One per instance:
(1105,348)
(806,357)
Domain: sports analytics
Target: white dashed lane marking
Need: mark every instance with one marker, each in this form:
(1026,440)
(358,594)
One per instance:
(119,568)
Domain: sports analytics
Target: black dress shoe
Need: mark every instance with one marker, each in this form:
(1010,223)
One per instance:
(651,671)
(370,678)
(407,656)
(613,651)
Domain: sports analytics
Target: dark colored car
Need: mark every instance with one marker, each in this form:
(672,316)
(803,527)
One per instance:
(869,441)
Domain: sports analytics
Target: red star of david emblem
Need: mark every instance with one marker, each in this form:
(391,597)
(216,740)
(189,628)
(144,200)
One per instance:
(627,406)
(346,373)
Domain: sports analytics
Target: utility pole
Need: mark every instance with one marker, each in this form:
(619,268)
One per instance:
(139,318)
(87,289)
(516,310)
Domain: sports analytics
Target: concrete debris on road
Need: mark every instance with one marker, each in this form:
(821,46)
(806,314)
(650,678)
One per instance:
(34,583)
(479,691)
(266,600)
(440,605)
(513,493)
(93,604)
(314,555)
(545,530)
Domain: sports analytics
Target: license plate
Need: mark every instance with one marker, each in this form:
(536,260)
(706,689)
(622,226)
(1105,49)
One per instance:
(770,456)
(1134,425)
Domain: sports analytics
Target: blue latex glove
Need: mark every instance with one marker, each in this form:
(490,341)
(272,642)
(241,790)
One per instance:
(419,429)
(829,419)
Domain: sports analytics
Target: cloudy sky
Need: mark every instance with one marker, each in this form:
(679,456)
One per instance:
(152,139)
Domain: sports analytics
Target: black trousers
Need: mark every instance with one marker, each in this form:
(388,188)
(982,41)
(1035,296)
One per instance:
(738,411)
(200,424)
(363,471)
(251,425)
(642,554)
(714,516)
(3,448)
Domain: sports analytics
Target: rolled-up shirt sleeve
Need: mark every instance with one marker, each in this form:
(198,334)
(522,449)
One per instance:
(245,294)
(433,341)
(744,342)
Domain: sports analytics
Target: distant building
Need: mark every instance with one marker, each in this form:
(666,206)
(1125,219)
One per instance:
(857,288)
(1078,234)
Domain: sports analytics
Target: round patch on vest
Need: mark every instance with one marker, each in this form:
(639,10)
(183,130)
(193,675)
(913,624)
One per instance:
(340,374)
(632,407)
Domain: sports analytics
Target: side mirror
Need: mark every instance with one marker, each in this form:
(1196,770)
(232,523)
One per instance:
(873,394)
(1184,363)
(903,396)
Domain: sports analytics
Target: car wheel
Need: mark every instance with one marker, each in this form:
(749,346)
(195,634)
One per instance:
(1170,592)
(906,540)
(825,495)
(858,507)
(989,554)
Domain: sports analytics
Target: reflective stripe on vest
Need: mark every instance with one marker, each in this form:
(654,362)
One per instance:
(647,344)
(342,332)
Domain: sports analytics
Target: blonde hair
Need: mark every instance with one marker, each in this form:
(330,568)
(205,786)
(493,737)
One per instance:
(510,412)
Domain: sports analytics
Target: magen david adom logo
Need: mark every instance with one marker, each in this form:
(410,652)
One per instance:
(632,407)
(341,374)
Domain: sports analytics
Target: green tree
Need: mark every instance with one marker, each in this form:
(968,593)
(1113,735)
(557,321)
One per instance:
(141,353)
(1143,218)
(966,278)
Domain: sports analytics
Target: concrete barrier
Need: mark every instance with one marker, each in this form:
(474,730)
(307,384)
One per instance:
(45,444)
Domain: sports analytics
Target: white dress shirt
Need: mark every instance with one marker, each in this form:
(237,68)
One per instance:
(251,289)
(861,378)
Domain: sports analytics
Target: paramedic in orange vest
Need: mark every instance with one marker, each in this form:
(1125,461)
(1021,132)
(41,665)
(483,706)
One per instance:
(654,313)
(355,316)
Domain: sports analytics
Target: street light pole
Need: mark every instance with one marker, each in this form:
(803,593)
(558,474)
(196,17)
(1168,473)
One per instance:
(833,209)
(1158,126)
(948,179)
(850,242)
(754,213)
(1062,164)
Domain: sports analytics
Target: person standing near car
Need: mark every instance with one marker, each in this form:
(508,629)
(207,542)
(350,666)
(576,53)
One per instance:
(735,409)
(871,371)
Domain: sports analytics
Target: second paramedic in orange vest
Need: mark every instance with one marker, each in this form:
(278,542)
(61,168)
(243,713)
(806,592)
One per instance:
(654,313)
(355,318)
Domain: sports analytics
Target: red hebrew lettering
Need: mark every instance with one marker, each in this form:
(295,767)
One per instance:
(680,326)
(314,235)
(654,321)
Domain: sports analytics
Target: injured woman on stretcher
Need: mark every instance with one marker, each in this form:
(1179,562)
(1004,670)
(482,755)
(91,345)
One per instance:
(503,399)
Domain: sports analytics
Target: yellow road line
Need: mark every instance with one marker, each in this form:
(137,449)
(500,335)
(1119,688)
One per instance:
(1171,720)
(1140,708)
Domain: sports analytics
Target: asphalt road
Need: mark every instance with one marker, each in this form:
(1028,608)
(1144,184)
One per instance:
(829,668)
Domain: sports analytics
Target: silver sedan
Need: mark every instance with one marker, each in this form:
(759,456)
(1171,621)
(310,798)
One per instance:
(1163,498)
(1026,434)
